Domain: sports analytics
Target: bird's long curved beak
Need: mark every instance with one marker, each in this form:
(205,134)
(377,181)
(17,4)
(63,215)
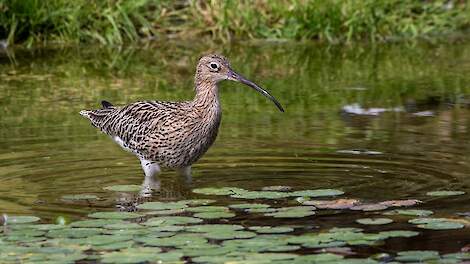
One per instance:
(233,76)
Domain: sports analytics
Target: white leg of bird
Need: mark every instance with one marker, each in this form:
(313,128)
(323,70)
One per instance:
(150,183)
(186,172)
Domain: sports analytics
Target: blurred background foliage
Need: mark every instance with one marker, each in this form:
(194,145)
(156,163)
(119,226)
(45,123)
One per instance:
(115,22)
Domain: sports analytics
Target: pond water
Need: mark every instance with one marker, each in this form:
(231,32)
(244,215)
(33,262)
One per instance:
(379,122)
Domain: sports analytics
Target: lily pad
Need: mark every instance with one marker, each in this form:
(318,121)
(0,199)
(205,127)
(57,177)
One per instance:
(207,208)
(171,220)
(123,225)
(260,195)
(410,212)
(398,233)
(417,255)
(95,222)
(229,234)
(442,225)
(173,241)
(213,228)
(138,255)
(271,229)
(292,212)
(166,212)
(277,188)
(74,232)
(437,223)
(445,193)
(21,219)
(317,193)
(124,188)
(218,191)
(214,215)
(115,215)
(374,221)
(161,205)
(197,202)
(75,197)
(249,206)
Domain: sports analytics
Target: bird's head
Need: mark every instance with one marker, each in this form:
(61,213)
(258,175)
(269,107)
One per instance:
(215,68)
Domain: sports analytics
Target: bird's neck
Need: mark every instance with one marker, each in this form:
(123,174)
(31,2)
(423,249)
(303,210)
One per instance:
(206,100)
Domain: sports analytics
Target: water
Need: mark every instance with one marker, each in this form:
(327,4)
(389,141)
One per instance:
(380,122)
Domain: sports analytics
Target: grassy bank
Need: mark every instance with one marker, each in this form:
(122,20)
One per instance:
(121,21)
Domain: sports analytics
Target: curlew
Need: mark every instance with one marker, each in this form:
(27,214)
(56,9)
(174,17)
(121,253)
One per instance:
(172,134)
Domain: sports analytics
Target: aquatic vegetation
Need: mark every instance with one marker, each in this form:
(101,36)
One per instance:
(116,237)
(445,193)
(130,21)
(374,221)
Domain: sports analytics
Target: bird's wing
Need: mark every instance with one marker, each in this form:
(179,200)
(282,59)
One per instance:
(135,123)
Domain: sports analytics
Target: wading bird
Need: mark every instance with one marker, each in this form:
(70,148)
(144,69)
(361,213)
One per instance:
(172,134)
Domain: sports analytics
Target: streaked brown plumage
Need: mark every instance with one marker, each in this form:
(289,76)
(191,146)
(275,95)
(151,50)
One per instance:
(172,134)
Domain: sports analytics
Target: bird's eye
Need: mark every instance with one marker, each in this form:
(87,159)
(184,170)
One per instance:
(214,66)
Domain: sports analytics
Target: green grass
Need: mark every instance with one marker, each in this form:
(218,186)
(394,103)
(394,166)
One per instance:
(117,22)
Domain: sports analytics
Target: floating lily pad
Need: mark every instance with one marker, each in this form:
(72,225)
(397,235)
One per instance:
(249,206)
(410,212)
(436,223)
(197,202)
(21,219)
(318,258)
(218,191)
(166,228)
(318,193)
(398,233)
(271,229)
(161,205)
(205,250)
(214,215)
(173,241)
(75,197)
(123,225)
(261,210)
(207,208)
(115,215)
(115,246)
(442,225)
(138,255)
(292,212)
(172,220)
(445,193)
(95,222)
(374,221)
(124,188)
(278,188)
(213,228)
(229,234)
(417,255)
(260,195)
(458,256)
(47,226)
(166,212)
(74,232)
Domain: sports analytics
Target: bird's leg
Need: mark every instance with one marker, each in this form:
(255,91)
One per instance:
(151,169)
(186,172)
